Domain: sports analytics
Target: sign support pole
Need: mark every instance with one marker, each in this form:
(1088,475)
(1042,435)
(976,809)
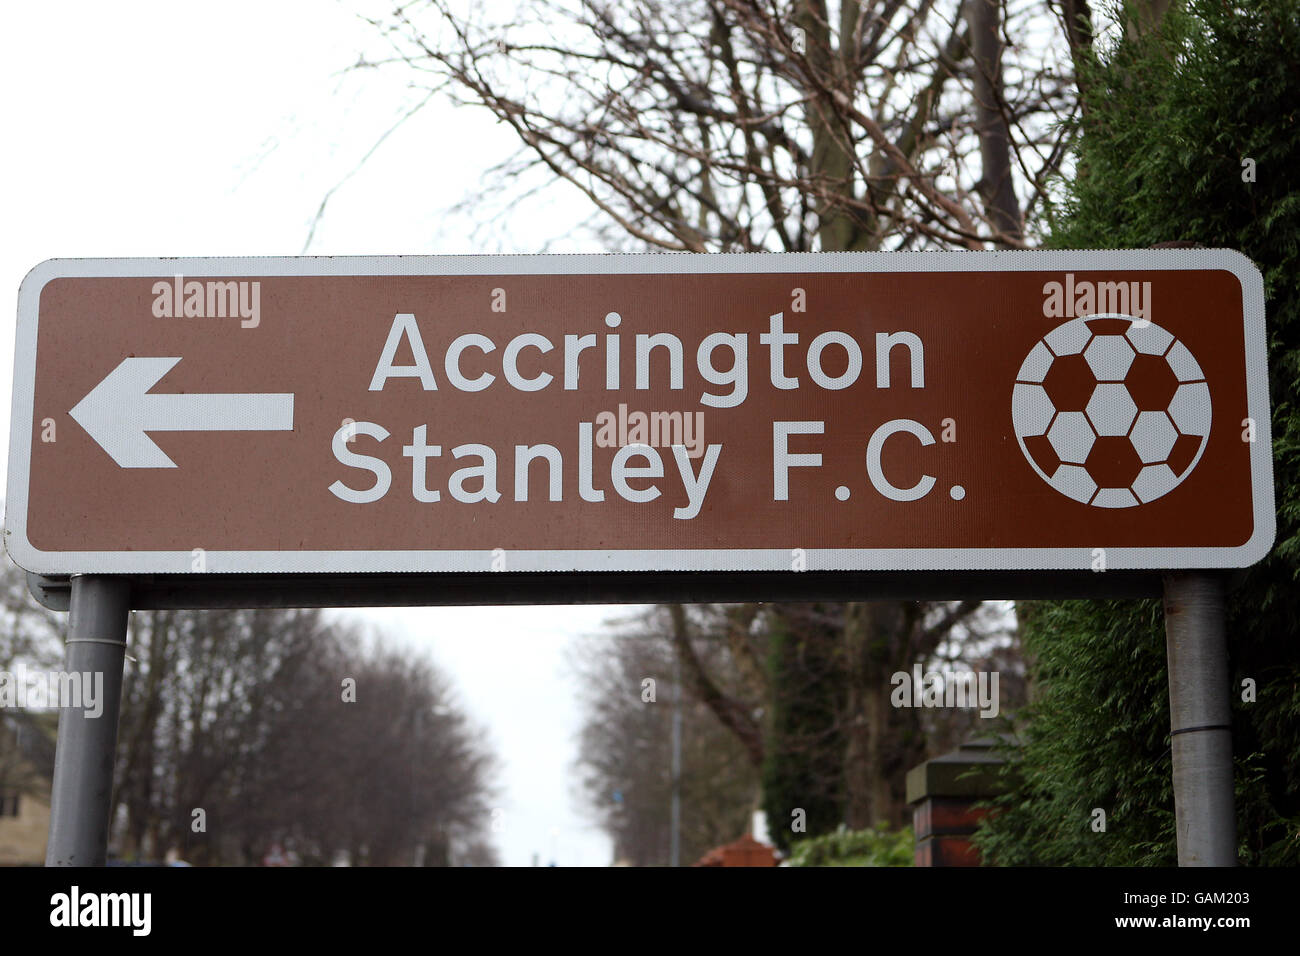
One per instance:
(1200,717)
(81,798)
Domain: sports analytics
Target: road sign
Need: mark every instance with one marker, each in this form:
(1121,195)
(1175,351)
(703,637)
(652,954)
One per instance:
(1100,410)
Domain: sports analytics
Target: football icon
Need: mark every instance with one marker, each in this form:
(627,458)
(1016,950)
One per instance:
(1111,410)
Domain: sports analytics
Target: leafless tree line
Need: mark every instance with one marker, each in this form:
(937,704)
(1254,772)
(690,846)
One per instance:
(855,753)
(247,729)
(286,729)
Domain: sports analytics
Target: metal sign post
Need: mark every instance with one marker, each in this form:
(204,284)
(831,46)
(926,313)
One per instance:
(1200,720)
(83,762)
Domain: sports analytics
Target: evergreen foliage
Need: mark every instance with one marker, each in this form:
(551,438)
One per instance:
(1172,119)
(875,846)
(802,762)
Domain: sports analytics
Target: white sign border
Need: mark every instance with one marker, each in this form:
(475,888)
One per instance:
(817,559)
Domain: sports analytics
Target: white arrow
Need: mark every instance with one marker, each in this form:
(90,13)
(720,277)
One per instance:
(118,411)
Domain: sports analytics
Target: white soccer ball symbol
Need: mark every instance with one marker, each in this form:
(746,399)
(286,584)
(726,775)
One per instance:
(1111,410)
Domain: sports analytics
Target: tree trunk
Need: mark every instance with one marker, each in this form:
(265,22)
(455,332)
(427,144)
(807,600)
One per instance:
(832,159)
(1146,17)
(995,186)
(875,647)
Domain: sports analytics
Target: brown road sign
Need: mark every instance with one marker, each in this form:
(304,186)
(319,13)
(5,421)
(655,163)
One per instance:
(894,411)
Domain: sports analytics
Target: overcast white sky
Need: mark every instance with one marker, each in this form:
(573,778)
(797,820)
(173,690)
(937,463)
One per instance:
(175,129)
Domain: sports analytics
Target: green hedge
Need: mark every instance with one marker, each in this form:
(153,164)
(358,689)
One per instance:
(1161,159)
(874,847)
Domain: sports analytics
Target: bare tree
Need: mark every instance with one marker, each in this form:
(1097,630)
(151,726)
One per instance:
(29,636)
(241,715)
(821,712)
(795,125)
(29,633)
(624,760)
(283,728)
(744,125)
(866,644)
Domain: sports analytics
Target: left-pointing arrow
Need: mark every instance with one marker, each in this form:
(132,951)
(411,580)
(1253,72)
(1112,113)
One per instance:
(119,411)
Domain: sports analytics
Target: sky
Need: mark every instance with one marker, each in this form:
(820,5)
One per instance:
(175,129)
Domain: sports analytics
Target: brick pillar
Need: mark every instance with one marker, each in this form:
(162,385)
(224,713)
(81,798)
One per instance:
(942,793)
